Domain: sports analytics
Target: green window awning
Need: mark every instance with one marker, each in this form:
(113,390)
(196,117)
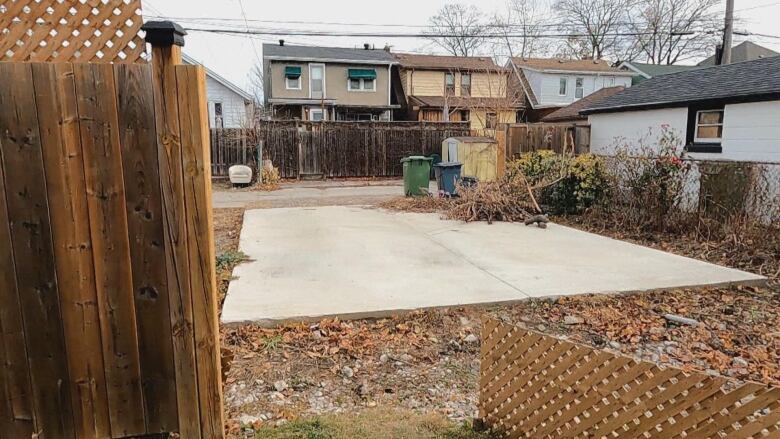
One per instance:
(292,72)
(362,74)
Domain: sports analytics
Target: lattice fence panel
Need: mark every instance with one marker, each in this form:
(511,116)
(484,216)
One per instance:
(537,386)
(71,31)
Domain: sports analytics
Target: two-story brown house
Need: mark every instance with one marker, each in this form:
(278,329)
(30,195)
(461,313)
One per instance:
(327,83)
(456,88)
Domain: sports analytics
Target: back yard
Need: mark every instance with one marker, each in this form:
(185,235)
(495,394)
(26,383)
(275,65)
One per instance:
(332,378)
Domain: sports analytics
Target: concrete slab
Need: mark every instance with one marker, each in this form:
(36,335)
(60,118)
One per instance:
(357,262)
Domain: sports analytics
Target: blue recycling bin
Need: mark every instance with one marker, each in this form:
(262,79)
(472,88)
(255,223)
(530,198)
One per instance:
(447,176)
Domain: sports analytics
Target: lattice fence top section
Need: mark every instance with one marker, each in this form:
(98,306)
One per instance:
(536,386)
(71,31)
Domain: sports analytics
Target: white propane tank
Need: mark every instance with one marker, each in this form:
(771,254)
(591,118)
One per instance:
(240,174)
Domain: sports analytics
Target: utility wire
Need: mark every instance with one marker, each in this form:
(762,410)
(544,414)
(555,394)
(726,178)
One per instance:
(316,33)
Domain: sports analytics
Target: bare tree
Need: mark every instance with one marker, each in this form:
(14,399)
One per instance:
(256,78)
(669,31)
(458,29)
(524,18)
(600,21)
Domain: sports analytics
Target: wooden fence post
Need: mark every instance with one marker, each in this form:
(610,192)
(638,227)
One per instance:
(166,39)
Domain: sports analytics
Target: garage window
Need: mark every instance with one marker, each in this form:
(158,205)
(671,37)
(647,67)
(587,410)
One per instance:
(709,126)
(705,128)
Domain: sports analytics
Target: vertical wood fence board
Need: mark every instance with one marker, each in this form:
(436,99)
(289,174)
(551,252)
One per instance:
(61,144)
(28,211)
(333,149)
(99,129)
(16,408)
(138,139)
(176,246)
(191,83)
(534,385)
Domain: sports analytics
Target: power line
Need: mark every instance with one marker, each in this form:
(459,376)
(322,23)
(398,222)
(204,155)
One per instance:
(317,33)
(227,21)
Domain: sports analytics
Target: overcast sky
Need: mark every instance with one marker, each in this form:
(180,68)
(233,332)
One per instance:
(234,56)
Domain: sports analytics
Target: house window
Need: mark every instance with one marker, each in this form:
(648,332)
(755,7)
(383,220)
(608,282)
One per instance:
(449,83)
(361,80)
(578,89)
(362,84)
(465,115)
(219,120)
(317,114)
(465,84)
(562,86)
(292,77)
(491,121)
(709,126)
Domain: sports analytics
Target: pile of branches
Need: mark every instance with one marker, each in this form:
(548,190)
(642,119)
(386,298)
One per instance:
(491,202)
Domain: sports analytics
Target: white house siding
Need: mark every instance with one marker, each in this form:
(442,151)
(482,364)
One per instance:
(609,131)
(234,108)
(751,132)
(546,86)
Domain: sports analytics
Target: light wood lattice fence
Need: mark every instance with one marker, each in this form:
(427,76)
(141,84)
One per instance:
(537,386)
(71,31)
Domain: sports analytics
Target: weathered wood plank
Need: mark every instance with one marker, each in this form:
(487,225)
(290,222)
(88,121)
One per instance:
(55,94)
(174,222)
(15,393)
(138,138)
(191,82)
(97,108)
(28,211)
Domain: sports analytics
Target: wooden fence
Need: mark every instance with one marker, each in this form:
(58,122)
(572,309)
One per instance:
(331,149)
(528,137)
(537,386)
(107,288)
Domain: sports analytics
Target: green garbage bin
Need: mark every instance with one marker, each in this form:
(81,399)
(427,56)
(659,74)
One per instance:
(417,173)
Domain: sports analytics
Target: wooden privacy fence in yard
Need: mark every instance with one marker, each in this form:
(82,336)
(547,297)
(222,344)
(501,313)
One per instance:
(537,386)
(528,137)
(107,288)
(332,149)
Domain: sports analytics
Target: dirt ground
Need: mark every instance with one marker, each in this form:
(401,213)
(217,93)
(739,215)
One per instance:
(427,361)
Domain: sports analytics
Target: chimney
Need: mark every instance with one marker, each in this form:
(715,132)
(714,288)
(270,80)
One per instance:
(718,55)
(281,42)
(367,46)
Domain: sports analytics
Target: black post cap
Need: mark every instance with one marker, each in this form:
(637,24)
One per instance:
(164,33)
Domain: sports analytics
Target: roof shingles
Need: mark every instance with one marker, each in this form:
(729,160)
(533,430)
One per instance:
(569,65)
(445,62)
(746,80)
(379,56)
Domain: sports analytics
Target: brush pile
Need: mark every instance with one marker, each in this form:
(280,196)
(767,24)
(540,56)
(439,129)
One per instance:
(491,202)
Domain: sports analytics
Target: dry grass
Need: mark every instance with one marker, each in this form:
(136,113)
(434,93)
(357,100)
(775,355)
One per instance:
(227,230)
(373,424)
(417,204)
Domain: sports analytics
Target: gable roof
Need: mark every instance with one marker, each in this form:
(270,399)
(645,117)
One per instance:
(650,70)
(332,54)
(215,76)
(569,65)
(572,112)
(741,82)
(745,51)
(446,62)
